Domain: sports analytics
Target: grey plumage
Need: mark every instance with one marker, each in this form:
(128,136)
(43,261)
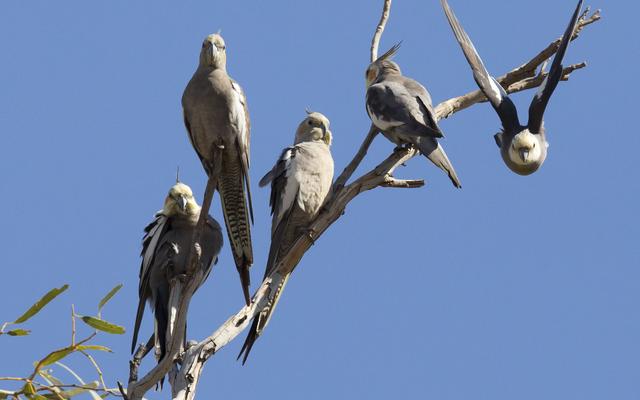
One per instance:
(401,109)
(300,182)
(165,249)
(216,115)
(523,147)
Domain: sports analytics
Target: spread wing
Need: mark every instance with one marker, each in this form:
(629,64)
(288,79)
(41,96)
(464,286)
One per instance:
(541,99)
(490,87)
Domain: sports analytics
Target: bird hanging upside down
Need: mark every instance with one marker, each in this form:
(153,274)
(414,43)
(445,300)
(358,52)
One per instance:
(523,147)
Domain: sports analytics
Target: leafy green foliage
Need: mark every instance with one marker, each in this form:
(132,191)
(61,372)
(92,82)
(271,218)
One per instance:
(39,305)
(103,325)
(41,384)
(108,297)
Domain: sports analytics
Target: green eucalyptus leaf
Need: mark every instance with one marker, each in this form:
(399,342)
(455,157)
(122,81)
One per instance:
(103,325)
(46,374)
(55,356)
(19,332)
(33,310)
(95,347)
(108,296)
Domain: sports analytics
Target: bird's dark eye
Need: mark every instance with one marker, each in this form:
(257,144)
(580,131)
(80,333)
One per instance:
(309,122)
(224,47)
(534,145)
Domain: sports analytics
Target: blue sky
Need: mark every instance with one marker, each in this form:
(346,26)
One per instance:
(513,287)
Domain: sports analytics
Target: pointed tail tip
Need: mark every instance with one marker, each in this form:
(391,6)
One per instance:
(245,281)
(246,348)
(247,296)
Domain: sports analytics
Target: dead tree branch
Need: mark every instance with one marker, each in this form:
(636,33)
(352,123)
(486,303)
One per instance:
(373,131)
(375,41)
(184,378)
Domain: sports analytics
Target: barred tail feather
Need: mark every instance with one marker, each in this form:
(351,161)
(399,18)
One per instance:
(231,186)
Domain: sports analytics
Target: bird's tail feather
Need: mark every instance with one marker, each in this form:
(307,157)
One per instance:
(231,185)
(136,327)
(436,154)
(261,321)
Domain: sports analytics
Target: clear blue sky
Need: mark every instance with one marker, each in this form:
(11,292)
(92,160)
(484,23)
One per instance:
(511,288)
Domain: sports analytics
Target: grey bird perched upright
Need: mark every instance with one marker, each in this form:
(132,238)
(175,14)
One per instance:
(216,115)
(300,183)
(165,249)
(522,147)
(401,108)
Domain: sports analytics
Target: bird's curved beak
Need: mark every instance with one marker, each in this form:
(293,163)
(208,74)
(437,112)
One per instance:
(182,203)
(213,51)
(524,154)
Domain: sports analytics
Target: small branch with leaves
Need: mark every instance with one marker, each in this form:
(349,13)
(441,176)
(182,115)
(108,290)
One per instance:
(41,382)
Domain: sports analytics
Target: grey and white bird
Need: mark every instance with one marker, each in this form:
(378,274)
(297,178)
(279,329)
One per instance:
(300,182)
(522,147)
(216,115)
(165,249)
(401,109)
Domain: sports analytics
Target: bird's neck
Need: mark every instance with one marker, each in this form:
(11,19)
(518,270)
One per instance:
(209,67)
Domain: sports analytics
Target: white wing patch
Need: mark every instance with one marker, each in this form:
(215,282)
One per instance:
(542,86)
(495,88)
(291,189)
(238,116)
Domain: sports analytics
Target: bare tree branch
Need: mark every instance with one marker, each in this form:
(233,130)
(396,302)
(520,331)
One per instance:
(184,378)
(375,41)
(357,159)
(373,131)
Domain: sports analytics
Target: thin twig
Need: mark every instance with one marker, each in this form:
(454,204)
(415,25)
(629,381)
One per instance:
(375,41)
(357,159)
(96,366)
(73,325)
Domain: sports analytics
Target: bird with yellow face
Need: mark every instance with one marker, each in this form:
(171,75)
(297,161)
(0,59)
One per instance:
(300,183)
(165,249)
